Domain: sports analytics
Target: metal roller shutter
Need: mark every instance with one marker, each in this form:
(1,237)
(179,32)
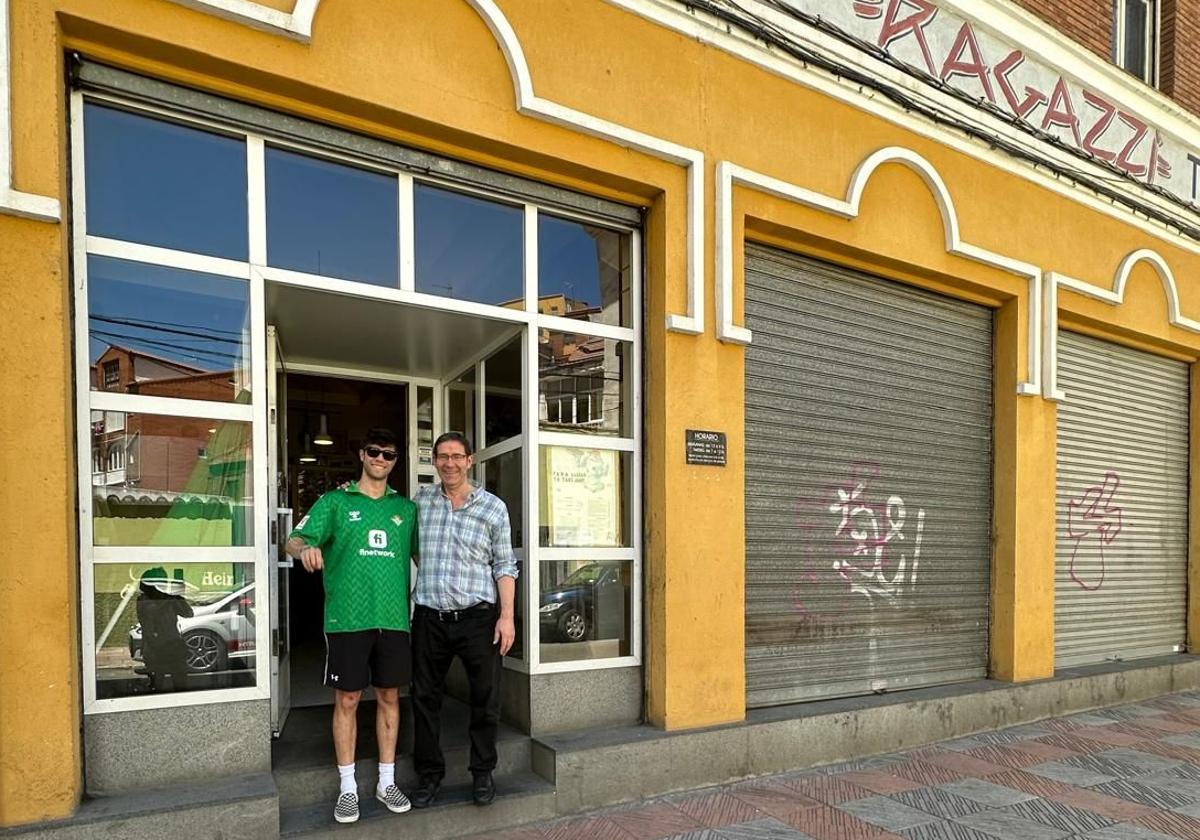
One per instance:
(1121,547)
(868,483)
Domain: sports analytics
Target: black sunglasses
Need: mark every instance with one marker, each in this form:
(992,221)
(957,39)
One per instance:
(376,452)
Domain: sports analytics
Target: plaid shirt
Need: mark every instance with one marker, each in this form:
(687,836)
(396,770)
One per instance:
(462,552)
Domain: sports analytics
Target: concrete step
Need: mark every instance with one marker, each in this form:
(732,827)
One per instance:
(234,808)
(520,798)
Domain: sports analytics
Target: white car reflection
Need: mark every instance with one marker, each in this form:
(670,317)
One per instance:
(219,635)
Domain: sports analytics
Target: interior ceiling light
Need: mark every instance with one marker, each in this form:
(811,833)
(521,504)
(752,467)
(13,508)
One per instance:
(323,438)
(307,456)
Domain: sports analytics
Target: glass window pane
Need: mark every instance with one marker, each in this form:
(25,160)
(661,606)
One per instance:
(173,627)
(583,272)
(583,382)
(1137,22)
(461,405)
(469,248)
(160,183)
(331,219)
(502,397)
(158,480)
(585,609)
(165,332)
(584,497)
(503,477)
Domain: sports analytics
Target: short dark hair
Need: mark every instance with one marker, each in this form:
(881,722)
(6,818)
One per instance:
(379,436)
(450,437)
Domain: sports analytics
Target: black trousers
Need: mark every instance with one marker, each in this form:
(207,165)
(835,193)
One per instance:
(435,643)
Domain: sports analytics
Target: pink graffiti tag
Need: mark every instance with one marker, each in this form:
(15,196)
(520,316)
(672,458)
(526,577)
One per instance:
(1094,513)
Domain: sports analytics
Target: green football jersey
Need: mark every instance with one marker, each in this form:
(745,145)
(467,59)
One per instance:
(367,544)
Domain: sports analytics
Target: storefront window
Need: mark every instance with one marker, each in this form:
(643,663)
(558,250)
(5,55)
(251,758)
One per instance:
(502,394)
(585,609)
(331,219)
(583,272)
(172,627)
(165,332)
(468,248)
(161,183)
(583,384)
(583,495)
(170,481)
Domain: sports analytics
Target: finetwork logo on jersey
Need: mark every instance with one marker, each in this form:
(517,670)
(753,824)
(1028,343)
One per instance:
(378,541)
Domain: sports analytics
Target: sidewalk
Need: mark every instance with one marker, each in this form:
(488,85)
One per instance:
(1123,773)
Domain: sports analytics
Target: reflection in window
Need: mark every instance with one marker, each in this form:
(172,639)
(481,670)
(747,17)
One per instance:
(502,394)
(165,332)
(181,481)
(583,384)
(502,477)
(173,627)
(585,609)
(583,272)
(159,183)
(468,248)
(583,497)
(333,220)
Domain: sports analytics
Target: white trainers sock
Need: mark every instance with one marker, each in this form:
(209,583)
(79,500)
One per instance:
(387,775)
(346,772)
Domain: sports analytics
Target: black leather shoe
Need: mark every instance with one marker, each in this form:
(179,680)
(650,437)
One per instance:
(484,789)
(424,795)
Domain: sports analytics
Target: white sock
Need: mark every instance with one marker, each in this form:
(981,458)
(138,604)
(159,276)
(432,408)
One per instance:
(349,785)
(387,775)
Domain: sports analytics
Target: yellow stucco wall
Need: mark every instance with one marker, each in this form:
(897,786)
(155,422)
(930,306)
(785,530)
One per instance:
(431,75)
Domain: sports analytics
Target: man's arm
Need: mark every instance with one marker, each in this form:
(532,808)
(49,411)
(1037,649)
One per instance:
(504,572)
(304,542)
(310,556)
(506,629)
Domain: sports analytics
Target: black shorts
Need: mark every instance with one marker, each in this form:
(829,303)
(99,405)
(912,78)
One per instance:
(354,660)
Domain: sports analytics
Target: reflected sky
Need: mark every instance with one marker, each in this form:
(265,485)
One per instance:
(583,263)
(186,317)
(468,248)
(159,183)
(333,220)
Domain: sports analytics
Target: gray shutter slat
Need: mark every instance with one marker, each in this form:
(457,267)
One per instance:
(1125,412)
(849,376)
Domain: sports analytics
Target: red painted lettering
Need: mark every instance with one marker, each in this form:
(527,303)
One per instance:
(1107,112)
(869,9)
(1061,110)
(1160,167)
(1032,99)
(1137,170)
(956,66)
(893,29)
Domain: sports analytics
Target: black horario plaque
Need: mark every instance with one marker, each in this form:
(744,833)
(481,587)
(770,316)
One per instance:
(707,448)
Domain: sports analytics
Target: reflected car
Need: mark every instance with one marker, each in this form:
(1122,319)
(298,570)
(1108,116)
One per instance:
(218,636)
(589,604)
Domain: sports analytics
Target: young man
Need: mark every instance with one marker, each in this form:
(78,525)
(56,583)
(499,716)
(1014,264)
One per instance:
(362,536)
(466,580)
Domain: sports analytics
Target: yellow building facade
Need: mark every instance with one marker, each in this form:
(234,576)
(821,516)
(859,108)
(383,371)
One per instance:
(719,146)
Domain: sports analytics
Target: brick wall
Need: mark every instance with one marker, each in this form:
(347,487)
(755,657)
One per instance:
(1089,22)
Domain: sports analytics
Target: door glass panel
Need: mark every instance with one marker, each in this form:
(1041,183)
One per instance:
(583,272)
(331,219)
(469,248)
(584,497)
(585,609)
(172,627)
(583,384)
(170,481)
(160,183)
(503,478)
(165,332)
(460,401)
(502,394)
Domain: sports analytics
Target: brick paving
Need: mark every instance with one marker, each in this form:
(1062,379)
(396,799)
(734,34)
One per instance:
(1124,773)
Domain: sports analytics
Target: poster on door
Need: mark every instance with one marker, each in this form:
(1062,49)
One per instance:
(582,502)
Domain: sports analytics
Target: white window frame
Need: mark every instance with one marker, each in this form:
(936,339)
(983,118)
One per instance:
(254,271)
(1153,39)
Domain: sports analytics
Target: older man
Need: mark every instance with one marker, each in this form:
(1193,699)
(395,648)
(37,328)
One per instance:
(466,580)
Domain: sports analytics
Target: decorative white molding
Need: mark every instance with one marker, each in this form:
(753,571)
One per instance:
(1113,297)
(529,104)
(40,207)
(296,24)
(729,174)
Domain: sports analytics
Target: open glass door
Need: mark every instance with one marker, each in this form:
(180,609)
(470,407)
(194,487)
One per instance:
(280,515)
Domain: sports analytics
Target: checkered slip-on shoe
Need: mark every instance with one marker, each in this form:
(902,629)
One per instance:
(395,801)
(346,810)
